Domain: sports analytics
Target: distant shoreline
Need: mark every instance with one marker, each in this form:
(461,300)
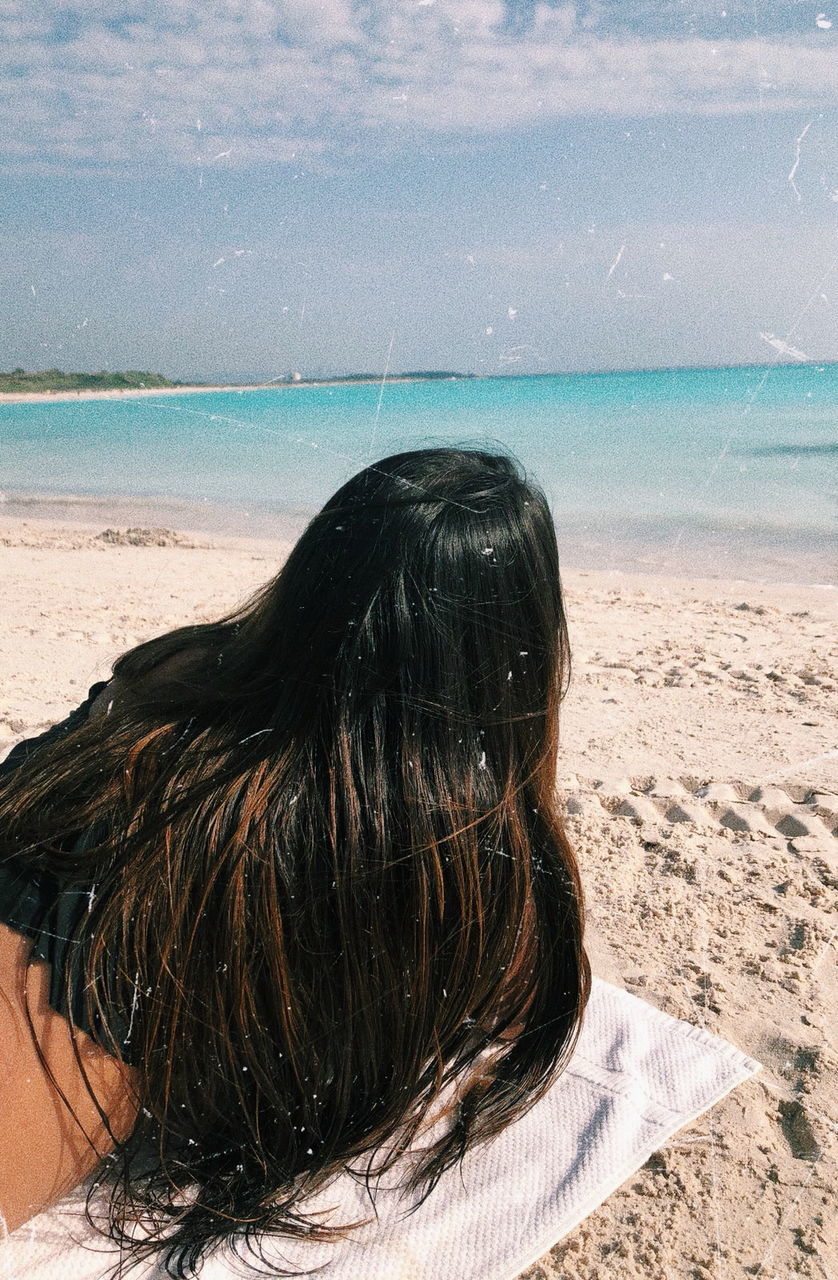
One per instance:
(123,393)
(101,393)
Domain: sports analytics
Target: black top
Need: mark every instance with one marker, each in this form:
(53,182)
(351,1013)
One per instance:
(34,903)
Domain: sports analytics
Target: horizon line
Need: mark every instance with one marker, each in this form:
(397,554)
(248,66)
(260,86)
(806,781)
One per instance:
(285,379)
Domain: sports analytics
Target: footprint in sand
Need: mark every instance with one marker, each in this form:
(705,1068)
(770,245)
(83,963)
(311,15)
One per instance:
(804,817)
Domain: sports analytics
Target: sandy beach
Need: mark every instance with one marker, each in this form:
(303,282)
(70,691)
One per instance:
(699,768)
(109,393)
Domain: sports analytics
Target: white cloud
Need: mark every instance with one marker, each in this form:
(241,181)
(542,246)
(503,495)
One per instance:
(107,84)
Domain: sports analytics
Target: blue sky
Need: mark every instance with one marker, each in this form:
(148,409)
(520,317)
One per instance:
(241,188)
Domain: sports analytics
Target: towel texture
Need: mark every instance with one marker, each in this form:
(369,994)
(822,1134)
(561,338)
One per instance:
(636,1077)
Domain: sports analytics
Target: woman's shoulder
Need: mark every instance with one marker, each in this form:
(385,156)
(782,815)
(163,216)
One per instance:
(22,750)
(106,694)
(164,675)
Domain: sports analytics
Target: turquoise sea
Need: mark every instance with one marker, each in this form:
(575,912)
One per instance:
(724,472)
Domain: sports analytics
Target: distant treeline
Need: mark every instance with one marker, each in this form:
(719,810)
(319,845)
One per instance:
(57,380)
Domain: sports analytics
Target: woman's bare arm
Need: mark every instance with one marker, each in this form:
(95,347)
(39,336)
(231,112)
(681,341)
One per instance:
(46,1146)
(44,1150)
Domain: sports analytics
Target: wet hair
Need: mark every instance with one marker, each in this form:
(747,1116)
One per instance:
(332,882)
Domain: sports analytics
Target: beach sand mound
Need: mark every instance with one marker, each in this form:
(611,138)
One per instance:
(143,538)
(66,537)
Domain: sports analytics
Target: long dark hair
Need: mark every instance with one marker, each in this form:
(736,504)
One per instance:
(332,884)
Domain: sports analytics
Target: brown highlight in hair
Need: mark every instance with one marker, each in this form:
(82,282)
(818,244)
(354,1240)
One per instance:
(333,893)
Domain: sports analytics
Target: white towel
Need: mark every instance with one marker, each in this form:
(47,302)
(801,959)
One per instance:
(636,1077)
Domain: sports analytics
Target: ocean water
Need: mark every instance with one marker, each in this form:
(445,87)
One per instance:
(724,472)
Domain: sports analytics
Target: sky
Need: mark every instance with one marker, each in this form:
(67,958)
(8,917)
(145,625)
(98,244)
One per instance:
(238,188)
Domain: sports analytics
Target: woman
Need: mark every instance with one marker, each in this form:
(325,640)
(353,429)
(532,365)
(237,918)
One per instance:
(299,875)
